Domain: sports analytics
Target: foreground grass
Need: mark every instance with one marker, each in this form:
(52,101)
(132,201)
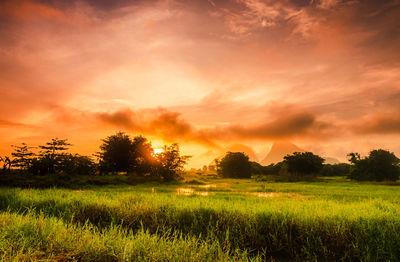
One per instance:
(34,237)
(331,221)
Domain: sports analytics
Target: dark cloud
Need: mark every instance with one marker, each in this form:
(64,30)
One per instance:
(123,119)
(171,127)
(284,126)
(384,123)
(104,5)
(162,123)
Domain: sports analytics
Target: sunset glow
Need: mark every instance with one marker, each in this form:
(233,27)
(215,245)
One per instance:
(323,74)
(158,150)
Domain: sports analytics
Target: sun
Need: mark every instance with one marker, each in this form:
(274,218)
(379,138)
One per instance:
(158,150)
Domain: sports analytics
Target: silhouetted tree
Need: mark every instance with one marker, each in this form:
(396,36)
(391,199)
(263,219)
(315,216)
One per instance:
(22,156)
(273,169)
(78,165)
(6,163)
(380,165)
(116,154)
(303,163)
(341,169)
(256,168)
(120,153)
(234,165)
(142,155)
(52,155)
(169,163)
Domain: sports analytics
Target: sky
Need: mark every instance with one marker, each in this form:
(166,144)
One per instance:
(207,74)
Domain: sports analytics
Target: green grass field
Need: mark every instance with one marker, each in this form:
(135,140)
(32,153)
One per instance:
(204,219)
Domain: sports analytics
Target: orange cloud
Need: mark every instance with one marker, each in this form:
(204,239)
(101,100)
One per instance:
(170,126)
(161,123)
(28,10)
(218,68)
(6,123)
(383,123)
(284,126)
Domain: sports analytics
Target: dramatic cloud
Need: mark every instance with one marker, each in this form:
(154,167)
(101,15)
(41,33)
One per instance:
(286,126)
(324,74)
(170,126)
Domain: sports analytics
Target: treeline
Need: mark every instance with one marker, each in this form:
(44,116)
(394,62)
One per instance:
(119,154)
(379,165)
(135,157)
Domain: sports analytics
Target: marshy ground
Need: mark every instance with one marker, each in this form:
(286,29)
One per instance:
(203,219)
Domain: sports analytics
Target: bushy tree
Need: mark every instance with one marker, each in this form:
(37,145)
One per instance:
(380,165)
(79,165)
(69,165)
(303,163)
(143,155)
(341,169)
(169,163)
(272,169)
(121,153)
(116,154)
(256,168)
(234,165)
(22,156)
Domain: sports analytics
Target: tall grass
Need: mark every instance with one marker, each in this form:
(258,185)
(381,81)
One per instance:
(321,226)
(35,237)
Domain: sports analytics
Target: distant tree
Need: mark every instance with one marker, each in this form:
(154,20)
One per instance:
(234,165)
(380,165)
(40,165)
(79,165)
(303,163)
(169,163)
(22,156)
(256,168)
(272,169)
(6,163)
(121,153)
(55,147)
(205,168)
(52,155)
(341,169)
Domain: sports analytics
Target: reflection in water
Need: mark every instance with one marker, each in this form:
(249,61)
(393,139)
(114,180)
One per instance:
(267,194)
(208,186)
(185,191)
(188,191)
(275,194)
